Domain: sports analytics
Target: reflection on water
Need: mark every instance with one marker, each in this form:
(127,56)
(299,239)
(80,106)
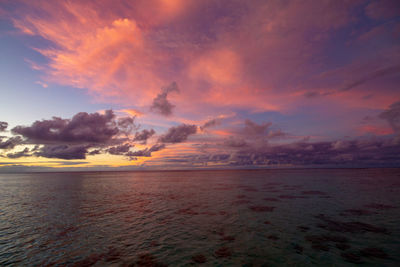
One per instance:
(232,218)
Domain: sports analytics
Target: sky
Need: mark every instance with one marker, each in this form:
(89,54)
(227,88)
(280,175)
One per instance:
(184,84)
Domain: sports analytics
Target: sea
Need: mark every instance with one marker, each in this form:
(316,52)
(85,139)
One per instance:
(278,217)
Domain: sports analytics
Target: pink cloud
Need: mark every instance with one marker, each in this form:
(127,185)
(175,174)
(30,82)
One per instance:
(372,129)
(264,59)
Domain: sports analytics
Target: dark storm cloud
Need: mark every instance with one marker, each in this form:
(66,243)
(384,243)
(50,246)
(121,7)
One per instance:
(144,135)
(372,76)
(392,115)
(10,143)
(178,134)
(82,128)
(161,104)
(3,126)
(119,150)
(62,151)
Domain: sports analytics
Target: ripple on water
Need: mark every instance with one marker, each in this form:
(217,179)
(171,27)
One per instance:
(271,217)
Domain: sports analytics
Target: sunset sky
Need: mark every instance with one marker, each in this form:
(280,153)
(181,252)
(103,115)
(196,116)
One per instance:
(181,84)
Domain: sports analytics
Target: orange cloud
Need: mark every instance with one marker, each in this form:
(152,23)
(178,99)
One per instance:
(220,66)
(132,112)
(126,51)
(172,7)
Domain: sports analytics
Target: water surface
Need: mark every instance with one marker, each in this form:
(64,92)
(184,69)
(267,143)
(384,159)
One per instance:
(216,218)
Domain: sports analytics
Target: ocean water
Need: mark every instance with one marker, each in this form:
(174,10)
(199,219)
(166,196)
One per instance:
(321,217)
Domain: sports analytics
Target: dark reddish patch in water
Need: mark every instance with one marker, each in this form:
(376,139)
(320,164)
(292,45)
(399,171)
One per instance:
(187,211)
(271,199)
(223,252)
(172,197)
(273,237)
(267,222)
(199,258)
(154,244)
(148,260)
(228,238)
(262,208)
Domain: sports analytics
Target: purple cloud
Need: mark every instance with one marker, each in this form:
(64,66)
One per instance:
(235,142)
(145,152)
(210,123)
(62,151)
(161,104)
(23,153)
(178,134)
(71,138)
(392,115)
(144,135)
(3,126)
(119,150)
(252,128)
(10,143)
(82,128)
(373,75)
